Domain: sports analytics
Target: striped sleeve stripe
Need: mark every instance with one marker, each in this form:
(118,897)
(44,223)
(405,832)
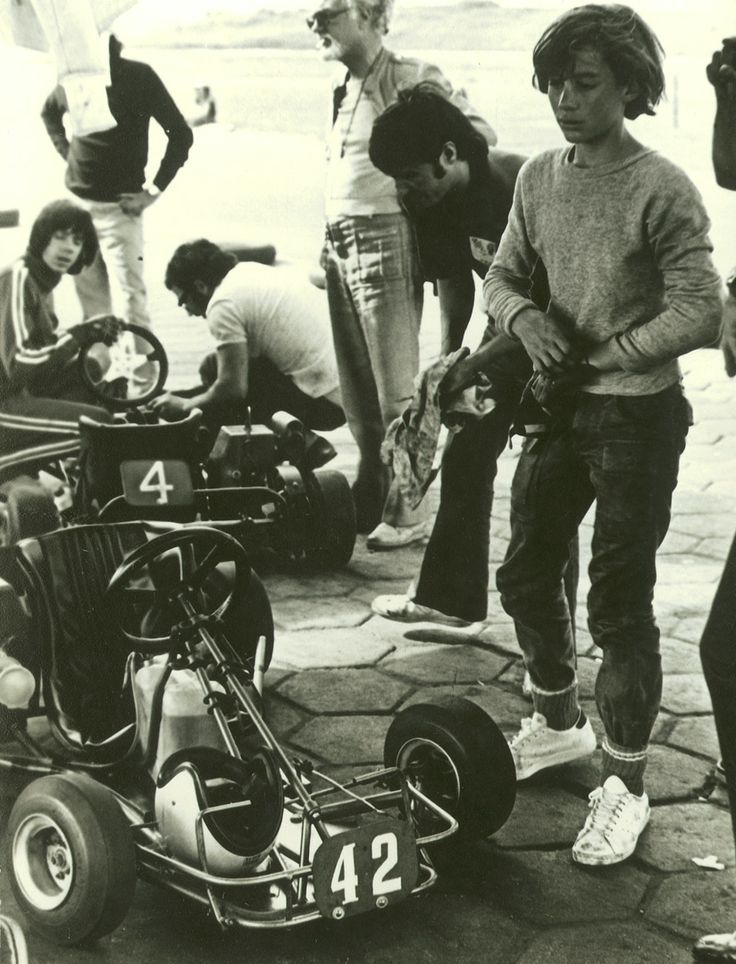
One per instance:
(25,355)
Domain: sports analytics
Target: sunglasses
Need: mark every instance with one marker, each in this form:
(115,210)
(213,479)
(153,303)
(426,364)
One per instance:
(323,18)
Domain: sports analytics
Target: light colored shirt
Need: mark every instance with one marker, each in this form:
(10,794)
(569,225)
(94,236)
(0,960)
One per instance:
(628,257)
(279,316)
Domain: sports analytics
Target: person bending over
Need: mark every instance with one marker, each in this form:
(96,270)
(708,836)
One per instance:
(457,193)
(274,350)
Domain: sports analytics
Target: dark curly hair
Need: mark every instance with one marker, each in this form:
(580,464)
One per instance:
(198,261)
(64,216)
(626,43)
(416,128)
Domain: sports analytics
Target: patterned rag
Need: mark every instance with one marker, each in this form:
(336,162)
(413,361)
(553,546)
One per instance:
(411,439)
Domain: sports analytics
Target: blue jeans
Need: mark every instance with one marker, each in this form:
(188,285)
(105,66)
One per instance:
(374,289)
(623,453)
(718,655)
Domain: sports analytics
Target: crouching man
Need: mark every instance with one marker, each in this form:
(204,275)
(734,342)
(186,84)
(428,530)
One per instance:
(274,350)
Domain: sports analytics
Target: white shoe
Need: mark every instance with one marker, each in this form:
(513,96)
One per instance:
(715,947)
(385,536)
(613,826)
(537,746)
(405,610)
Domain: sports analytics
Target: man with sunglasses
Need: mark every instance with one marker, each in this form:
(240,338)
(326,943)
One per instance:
(373,278)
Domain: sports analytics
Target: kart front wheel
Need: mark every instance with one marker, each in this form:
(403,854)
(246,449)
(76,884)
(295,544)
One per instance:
(455,755)
(71,858)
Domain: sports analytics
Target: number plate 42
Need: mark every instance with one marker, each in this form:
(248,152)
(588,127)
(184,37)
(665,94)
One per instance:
(371,866)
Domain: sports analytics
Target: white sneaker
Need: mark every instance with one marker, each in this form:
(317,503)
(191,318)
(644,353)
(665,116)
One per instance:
(537,747)
(715,947)
(613,826)
(405,610)
(385,536)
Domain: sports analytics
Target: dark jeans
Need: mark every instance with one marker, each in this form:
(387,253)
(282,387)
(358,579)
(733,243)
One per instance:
(454,573)
(623,452)
(270,391)
(718,655)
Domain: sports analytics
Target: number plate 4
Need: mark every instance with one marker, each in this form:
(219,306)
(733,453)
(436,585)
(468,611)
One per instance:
(161,482)
(371,866)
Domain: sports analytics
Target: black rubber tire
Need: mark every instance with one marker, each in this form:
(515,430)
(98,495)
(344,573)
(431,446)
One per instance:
(456,755)
(99,844)
(332,530)
(28,510)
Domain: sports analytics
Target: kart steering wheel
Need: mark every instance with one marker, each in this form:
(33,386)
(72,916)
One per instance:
(123,375)
(170,573)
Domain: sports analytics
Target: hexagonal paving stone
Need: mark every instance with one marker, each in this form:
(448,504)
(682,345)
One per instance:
(502,636)
(344,691)
(505,706)
(548,888)
(679,831)
(671,774)
(697,734)
(685,693)
(543,817)
(716,547)
(397,564)
(444,664)
(314,648)
(695,904)
(319,612)
(620,943)
(688,628)
(685,568)
(284,586)
(344,739)
(280,716)
(677,542)
(685,597)
(679,656)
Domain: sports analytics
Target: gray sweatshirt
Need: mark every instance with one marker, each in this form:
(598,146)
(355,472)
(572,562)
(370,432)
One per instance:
(627,252)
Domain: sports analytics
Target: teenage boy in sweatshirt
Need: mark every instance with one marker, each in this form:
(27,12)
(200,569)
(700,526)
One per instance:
(624,237)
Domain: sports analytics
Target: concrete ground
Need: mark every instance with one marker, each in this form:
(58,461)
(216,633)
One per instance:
(340,673)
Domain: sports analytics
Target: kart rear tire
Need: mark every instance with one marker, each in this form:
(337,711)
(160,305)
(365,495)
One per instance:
(333,528)
(28,510)
(71,858)
(455,754)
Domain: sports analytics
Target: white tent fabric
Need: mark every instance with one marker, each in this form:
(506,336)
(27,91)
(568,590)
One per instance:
(70,31)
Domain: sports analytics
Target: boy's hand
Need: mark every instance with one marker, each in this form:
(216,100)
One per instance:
(170,407)
(135,203)
(545,341)
(104,328)
(721,71)
(728,338)
(458,377)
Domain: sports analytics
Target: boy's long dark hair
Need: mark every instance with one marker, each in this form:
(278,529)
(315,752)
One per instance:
(629,47)
(198,261)
(416,128)
(64,216)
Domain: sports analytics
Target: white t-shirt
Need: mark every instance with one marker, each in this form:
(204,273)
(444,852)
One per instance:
(280,316)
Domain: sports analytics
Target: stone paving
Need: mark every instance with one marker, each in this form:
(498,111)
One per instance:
(339,673)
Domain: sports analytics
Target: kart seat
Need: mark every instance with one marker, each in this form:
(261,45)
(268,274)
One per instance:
(76,652)
(104,447)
